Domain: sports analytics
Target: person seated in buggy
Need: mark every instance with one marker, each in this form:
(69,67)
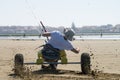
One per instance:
(55,47)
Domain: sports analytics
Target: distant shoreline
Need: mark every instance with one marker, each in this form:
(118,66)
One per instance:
(77,34)
(82,37)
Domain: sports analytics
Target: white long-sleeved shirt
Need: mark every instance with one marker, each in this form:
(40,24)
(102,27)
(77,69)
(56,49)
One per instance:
(57,41)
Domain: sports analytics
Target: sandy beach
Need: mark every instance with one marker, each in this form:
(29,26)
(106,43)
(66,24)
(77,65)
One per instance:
(105,59)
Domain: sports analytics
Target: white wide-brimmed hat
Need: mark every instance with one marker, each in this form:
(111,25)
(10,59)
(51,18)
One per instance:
(69,33)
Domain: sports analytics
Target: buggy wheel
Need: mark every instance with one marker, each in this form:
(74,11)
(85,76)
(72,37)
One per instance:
(85,63)
(18,63)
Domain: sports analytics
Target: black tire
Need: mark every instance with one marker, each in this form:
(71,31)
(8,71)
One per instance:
(18,63)
(85,63)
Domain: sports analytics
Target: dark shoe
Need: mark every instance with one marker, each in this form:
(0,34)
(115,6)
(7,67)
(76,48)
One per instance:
(45,67)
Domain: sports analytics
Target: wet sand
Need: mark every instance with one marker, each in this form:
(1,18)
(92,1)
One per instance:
(105,60)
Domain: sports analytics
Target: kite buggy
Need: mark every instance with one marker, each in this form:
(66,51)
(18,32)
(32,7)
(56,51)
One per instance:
(54,55)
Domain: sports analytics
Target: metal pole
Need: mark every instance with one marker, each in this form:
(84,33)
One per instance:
(32,63)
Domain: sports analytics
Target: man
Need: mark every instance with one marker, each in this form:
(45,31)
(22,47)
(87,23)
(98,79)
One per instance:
(60,42)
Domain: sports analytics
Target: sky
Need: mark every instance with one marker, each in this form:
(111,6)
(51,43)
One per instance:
(57,13)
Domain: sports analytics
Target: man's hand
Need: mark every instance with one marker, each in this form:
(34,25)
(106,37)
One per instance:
(78,49)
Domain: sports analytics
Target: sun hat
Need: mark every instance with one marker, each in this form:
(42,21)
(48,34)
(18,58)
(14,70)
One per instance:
(69,33)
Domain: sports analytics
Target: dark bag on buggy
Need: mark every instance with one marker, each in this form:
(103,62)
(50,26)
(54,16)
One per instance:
(50,53)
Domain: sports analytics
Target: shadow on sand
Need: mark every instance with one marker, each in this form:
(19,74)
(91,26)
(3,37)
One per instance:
(58,71)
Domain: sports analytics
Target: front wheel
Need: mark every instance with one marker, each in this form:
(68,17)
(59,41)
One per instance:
(85,63)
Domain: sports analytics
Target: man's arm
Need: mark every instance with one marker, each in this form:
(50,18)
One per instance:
(75,50)
(46,34)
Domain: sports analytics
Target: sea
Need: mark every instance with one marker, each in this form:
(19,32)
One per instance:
(85,37)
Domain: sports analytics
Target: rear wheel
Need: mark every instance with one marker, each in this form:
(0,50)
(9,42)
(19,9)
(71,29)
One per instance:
(85,63)
(18,63)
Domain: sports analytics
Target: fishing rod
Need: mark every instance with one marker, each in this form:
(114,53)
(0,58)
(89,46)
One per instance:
(44,31)
(30,7)
(40,22)
(44,28)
